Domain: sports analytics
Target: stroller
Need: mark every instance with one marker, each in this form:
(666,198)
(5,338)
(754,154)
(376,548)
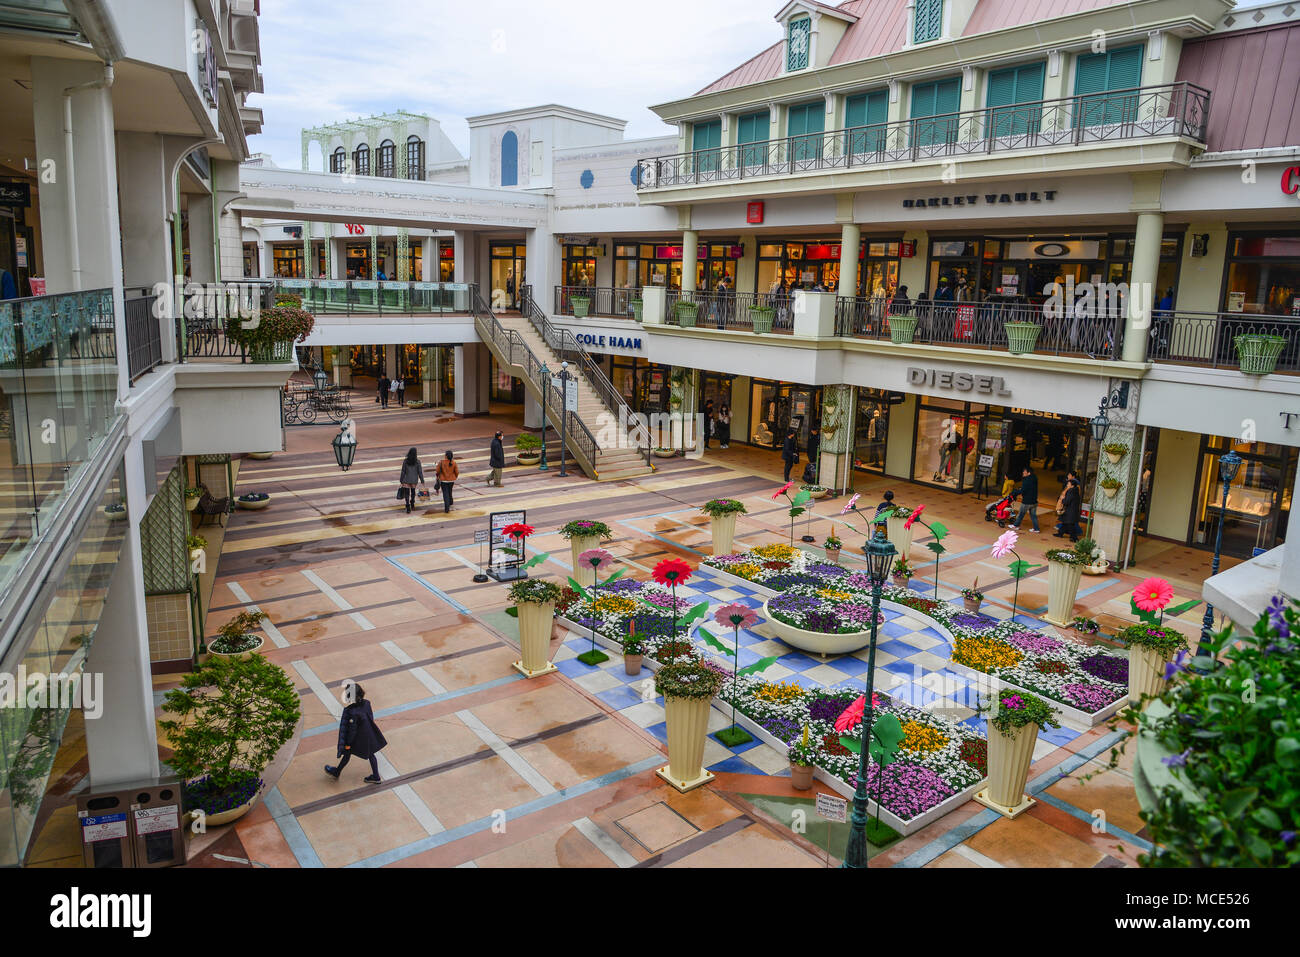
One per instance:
(999,510)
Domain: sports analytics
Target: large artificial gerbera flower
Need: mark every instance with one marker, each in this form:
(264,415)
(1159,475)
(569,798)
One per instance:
(851,716)
(595,558)
(1153,594)
(914,516)
(852,502)
(671,571)
(783,489)
(735,615)
(1005,544)
(517,530)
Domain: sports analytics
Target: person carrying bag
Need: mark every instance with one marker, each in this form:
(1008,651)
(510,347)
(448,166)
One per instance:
(445,477)
(412,475)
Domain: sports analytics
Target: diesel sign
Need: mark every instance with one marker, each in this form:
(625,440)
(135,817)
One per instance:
(959,382)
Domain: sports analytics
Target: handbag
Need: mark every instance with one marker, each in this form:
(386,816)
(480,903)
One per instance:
(401,493)
(437,485)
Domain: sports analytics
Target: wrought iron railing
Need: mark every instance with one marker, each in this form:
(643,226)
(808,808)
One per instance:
(733,310)
(1172,109)
(1208,338)
(143,335)
(565,345)
(606,301)
(201,328)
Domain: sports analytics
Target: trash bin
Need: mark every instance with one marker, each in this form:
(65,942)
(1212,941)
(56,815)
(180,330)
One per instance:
(105,829)
(157,822)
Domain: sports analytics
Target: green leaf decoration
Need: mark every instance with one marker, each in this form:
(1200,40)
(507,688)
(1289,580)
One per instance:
(796,512)
(760,665)
(513,611)
(616,575)
(1143,616)
(886,736)
(853,744)
(536,560)
(938,530)
(693,614)
(935,547)
(578,587)
(1177,610)
(801,498)
(1020,568)
(714,642)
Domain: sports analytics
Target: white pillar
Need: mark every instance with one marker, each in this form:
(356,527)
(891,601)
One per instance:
(473,369)
(1289,574)
(1142,284)
(343,366)
(850,241)
(203,246)
(532,412)
(690,258)
(390,360)
(266,256)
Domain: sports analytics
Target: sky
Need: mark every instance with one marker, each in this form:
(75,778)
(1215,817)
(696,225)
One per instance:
(329,60)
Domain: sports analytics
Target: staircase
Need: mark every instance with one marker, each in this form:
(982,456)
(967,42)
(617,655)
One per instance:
(605,449)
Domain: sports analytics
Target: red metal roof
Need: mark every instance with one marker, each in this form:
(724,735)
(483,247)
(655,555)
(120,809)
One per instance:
(1000,14)
(765,66)
(1254,81)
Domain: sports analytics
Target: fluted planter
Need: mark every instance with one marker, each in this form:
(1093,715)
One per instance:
(686,313)
(761,317)
(688,727)
(1009,761)
(899,537)
(638,306)
(724,530)
(585,574)
(581,306)
(1258,353)
(1146,672)
(1062,587)
(535,621)
(902,329)
(1021,337)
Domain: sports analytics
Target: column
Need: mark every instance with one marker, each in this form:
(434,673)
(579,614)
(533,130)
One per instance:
(343,367)
(203,246)
(1146,262)
(390,359)
(850,243)
(473,370)
(836,452)
(532,412)
(142,198)
(374,254)
(266,258)
(690,259)
(543,266)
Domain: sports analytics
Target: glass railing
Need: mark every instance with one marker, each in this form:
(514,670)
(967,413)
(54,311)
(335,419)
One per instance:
(374,297)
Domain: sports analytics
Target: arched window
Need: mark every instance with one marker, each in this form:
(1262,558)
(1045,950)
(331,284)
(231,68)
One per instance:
(361,160)
(386,159)
(338,160)
(510,160)
(414,158)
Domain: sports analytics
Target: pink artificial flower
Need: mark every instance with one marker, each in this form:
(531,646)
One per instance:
(849,507)
(595,558)
(1153,594)
(783,489)
(851,716)
(735,615)
(1005,544)
(914,516)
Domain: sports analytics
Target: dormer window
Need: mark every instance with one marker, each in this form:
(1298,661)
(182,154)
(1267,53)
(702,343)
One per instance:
(798,40)
(928,23)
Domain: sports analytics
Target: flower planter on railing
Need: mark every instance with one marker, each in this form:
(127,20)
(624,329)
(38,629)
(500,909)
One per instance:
(902,329)
(1021,337)
(265,353)
(1258,352)
(581,306)
(686,312)
(637,306)
(761,317)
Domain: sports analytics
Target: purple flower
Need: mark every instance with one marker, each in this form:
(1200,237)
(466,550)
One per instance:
(794,604)
(1175,666)
(1034,642)
(974,622)
(1287,836)
(823,568)
(1106,667)
(827,709)
(620,585)
(1176,760)
(782,728)
(857,614)
(1013,701)
(904,788)
(1090,698)
(1277,618)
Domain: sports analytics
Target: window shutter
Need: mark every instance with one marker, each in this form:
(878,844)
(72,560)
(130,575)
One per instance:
(929,21)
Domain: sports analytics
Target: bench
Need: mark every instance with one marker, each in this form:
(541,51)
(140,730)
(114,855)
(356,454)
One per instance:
(210,507)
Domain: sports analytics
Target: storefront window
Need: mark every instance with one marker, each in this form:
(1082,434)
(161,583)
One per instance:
(508,261)
(1263,274)
(288,261)
(580,265)
(1259,498)
(250,260)
(872,430)
(947,434)
(446,260)
(358,261)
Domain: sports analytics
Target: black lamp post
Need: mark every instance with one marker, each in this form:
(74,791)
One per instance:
(345,449)
(564,414)
(880,558)
(1229,465)
(321,379)
(1100,425)
(546,388)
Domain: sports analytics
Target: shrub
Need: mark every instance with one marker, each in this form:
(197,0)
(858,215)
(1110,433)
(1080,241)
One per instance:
(1015,709)
(584,529)
(235,636)
(718,507)
(277,324)
(1164,640)
(534,591)
(687,679)
(527,442)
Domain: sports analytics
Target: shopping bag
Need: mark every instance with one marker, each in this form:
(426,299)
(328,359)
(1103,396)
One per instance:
(401,494)
(437,485)
(423,492)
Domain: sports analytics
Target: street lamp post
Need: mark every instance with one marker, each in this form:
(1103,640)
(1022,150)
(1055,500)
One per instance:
(321,379)
(546,387)
(1100,425)
(880,557)
(1229,464)
(564,414)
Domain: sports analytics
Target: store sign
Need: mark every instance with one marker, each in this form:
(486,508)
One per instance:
(701,252)
(1291,180)
(355,229)
(1079,249)
(959,381)
(753,212)
(592,340)
(17,195)
(987,199)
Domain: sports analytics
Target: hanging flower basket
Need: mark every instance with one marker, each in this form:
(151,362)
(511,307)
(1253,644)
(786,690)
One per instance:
(686,312)
(1258,352)
(581,306)
(1021,336)
(902,329)
(761,317)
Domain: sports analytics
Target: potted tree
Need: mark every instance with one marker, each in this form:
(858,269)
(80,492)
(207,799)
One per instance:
(761,317)
(1021,336)
(1257,353)
(832,546)
(687,687)
(722,514)
(535,608)
(192,496)
(902,329)
(235,639)
(583,536)
(972,597)
(1012,732)
(1115,451)
(196,544)
(802,752)
(901,573)
(528,448)
(230,718)
(1064,569)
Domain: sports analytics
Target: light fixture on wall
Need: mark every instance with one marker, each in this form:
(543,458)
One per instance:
(1200,244)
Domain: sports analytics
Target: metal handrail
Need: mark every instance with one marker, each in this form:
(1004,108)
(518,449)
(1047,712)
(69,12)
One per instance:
(567,347)
(1171,109)
(374,297)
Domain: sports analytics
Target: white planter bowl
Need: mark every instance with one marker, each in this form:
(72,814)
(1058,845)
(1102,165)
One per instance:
(254,505)
(817,642)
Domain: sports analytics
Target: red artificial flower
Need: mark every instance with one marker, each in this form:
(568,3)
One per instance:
(1153,594)
(671,571)
(851,716)
(914,516)
(517,530)
(783,489)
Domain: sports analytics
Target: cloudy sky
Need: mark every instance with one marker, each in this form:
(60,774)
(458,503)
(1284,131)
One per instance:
(329,60)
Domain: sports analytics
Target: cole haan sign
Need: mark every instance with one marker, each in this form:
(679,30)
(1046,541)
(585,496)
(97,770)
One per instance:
(959,381)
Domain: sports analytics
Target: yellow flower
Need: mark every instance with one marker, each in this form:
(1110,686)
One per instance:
(613,605)
(834,594)
(985,654)
(782,553)
(776,693)
(744,570)
(922,737)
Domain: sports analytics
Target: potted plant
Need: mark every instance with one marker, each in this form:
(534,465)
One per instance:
(260,456)
(273,334)
(1085,628)
(196,544)
(230,718)
(1064,569)
(901,573)
(832,546)
(583,536)
(898,529)
(902,329)
(235,639)
(1110,485)
(1257,353)
(802,752)
(722,514)
(1021,336)
(1012,732)
(816,491)
(686,312)
(415,403)
(687,687)
(115,512)
(1097,564)
(1115,451)
(633,652)
(528,448)
(638,305)
(972,597)
(192,496)
(581,306)
(1150,649)
(662,453)
(761,317)
(535,608)
(253,500)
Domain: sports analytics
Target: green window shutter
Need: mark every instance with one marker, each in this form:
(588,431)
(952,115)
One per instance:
(935,99)
(803,120)
(705,140)
(753,128)
(1006,90)
(867,110)
(929,21)
(798,37)
(1098,73)
(1126,68)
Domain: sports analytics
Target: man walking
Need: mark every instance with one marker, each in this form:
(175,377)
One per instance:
(399,387)
(384,384)
(1028,492)
(789,452)
(496,460)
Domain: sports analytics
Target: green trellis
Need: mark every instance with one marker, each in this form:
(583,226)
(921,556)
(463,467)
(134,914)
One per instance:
(163,530)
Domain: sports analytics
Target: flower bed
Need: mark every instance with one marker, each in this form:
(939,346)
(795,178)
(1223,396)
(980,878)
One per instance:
(619,609)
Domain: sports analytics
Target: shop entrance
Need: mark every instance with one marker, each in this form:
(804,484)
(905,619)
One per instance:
(509,262)
(777,406)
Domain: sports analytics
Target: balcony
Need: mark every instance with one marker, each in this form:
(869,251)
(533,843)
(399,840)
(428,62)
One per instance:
(371,297)
(1175,110)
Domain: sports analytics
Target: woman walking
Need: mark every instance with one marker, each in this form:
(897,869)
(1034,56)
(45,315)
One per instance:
(358,734)
(399,387)
(724,425)
(1071,509)
(447,473)
(412,475)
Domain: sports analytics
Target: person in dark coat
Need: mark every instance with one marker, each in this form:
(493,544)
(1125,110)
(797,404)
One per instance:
(709,414)
(789,452)
(496,460)
(358,734)
(412,475)
(384,384)
(814,444)
(1028,492)
(1071,510)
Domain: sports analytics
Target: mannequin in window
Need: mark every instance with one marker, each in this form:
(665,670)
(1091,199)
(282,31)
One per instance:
(947,443)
